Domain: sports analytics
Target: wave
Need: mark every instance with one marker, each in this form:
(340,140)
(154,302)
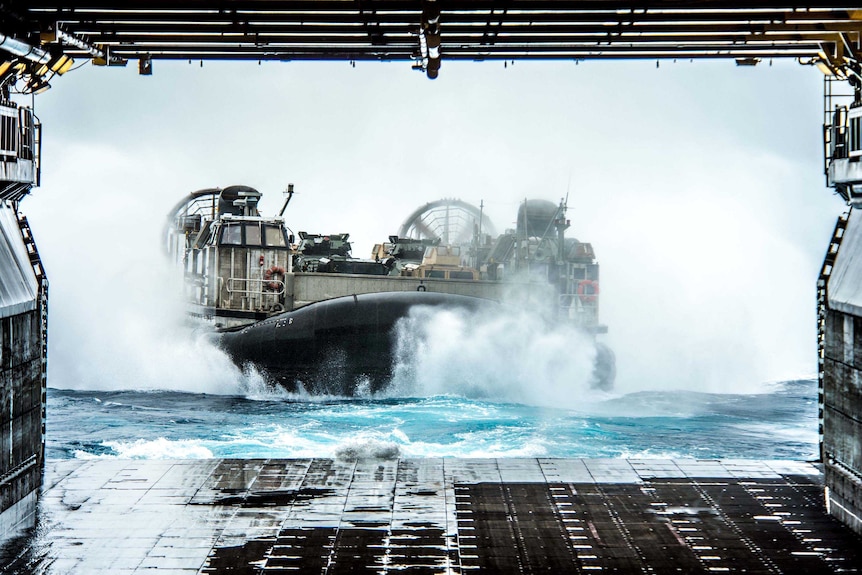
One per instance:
(159,448)
(158,425)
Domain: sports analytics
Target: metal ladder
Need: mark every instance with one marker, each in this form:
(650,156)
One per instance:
(30,243)
(822,308)
(42,278)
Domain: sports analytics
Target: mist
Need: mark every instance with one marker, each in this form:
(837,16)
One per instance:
(116,320)
(699,185)
(512,355)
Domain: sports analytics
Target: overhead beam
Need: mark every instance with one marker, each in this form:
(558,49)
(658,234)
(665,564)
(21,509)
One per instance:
(429,31)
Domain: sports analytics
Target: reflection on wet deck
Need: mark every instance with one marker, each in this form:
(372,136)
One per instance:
(433,516)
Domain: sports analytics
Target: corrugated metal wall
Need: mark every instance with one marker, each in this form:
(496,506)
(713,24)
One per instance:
(842,380)
(21,376)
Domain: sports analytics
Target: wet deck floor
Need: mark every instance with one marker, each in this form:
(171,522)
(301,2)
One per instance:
(433,516)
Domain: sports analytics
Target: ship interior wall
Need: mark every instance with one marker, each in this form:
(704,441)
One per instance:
(842,417)
(21,408)
(23,318)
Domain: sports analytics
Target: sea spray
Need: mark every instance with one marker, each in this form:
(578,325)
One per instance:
(515,356)
(116,319)
(254,384)
(367,448)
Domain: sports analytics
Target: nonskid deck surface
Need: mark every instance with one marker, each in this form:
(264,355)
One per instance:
(434,516)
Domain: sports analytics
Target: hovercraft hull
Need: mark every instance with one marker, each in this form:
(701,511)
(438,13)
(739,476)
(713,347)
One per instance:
(334,346)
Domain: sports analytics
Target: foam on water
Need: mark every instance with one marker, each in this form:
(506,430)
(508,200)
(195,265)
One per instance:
(159,448)
(155,424)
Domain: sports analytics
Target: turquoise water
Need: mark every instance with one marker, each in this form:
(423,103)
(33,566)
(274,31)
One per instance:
(780,423)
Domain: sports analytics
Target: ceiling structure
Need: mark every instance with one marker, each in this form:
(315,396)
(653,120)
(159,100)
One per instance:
(428,32)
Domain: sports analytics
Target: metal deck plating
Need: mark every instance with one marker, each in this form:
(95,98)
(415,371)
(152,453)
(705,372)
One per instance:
(433,516)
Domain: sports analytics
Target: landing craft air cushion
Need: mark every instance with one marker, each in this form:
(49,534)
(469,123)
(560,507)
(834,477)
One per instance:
(311,315)
(337,345)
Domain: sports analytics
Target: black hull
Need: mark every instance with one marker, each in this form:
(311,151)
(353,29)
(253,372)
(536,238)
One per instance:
(334,346)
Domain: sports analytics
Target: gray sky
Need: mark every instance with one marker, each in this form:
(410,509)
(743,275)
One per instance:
(699,184)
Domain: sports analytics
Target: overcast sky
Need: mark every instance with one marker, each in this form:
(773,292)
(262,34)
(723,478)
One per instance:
(699,184)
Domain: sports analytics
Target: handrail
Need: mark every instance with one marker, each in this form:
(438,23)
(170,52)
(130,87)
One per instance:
(280,284)
(586,300)
(201,205)
(37,145)
(16,471)
(835,108)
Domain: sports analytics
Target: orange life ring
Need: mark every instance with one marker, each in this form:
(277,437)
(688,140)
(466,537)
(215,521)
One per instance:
(267,275)
(582,290)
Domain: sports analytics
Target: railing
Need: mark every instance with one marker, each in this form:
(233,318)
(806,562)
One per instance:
(17,471)
(835,105)
(277,290)
(27,147)
(254,294)
(19,134)
(205,205)
(9,133)
(37,147)
(583,309)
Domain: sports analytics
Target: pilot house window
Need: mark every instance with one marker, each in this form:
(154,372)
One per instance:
(252,235)
(231,235)
(274,236)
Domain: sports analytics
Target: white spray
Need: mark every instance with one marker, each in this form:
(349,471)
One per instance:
(116,319)
(515,356)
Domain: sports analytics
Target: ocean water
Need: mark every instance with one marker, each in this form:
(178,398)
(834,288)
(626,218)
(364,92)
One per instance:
(780,422)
